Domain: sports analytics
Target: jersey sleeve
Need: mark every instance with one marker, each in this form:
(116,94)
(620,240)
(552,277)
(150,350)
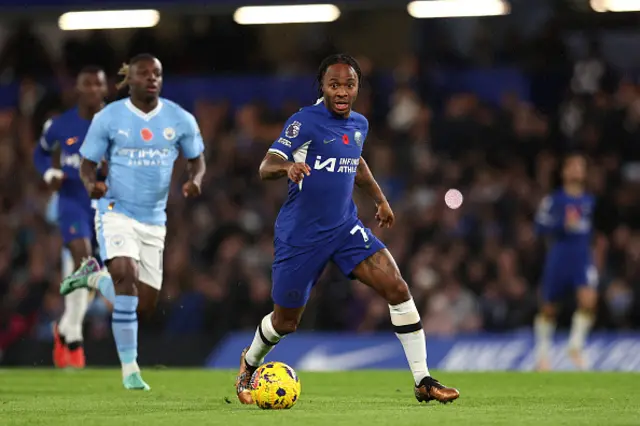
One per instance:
(191,142)
(96,142)
(48,140)
(42,153)
(295,133)
(549,217)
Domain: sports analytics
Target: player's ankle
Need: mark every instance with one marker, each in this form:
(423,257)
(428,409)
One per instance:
(130,368)
(75,345)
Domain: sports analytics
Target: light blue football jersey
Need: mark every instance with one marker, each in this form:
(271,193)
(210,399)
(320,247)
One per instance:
(141,149)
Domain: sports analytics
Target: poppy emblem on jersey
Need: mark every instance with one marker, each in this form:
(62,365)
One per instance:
(358,138)
(345,139)
(71,141)
(293,130)
(169,133)
(146,134)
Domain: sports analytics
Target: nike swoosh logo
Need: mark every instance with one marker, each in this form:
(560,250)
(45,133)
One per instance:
(319,358)
(329,140)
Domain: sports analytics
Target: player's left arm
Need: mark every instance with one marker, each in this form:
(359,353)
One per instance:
(192,147)
(366,182)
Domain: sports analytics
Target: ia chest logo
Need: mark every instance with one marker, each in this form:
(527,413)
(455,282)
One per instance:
(344,165)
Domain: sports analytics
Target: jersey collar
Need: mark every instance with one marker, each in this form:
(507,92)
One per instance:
(144,115)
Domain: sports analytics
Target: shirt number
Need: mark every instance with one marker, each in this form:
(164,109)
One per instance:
(360,229)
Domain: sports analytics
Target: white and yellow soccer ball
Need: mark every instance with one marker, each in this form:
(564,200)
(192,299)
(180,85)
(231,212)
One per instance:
(275,386)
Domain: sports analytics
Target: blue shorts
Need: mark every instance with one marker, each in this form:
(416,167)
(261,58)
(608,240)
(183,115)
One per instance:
(560,279)
(297,269)
(76,223)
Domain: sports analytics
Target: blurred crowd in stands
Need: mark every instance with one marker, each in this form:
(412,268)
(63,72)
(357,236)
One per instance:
(470,269)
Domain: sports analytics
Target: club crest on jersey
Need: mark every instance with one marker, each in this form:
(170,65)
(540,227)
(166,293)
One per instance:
(169,133)
(71,141)
(293,130)
(146,134)
(117,241)
(358,138)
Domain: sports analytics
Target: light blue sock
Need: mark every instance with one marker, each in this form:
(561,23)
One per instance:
(105,285)
(124,324)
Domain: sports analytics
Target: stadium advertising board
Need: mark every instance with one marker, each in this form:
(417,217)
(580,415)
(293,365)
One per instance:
(482,352)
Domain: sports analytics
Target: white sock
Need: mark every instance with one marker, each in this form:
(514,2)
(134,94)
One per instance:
(75,307)
(580,326)
(544,330)
(94,278)
(264,341)
(130,368)
(67,266)
(406,322)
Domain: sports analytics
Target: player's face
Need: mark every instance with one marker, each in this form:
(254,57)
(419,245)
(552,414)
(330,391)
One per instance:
(575,170)
(145,79)
(340,88)
(92,88)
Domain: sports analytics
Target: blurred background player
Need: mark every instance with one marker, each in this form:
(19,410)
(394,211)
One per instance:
(319,223)
(141,137)
(566,217)
(58,160)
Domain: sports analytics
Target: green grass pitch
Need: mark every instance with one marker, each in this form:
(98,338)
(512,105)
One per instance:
(197,397)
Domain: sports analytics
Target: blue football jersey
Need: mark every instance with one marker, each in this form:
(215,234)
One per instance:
(551,218)
(67,131)
(141,149)
(323,201)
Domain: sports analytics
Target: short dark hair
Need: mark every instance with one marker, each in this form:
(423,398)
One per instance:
(124,70)
(90,69)
(142,57)
(338,58)
(573,154)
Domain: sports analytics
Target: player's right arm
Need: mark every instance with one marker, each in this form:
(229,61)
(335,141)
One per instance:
(279,161)
(46,157)
(275,167)
(93,150)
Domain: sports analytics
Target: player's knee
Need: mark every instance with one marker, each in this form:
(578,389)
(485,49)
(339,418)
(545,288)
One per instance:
(548,312)
(80,249)
(587,300)
(146,308)
(123,271)
(397,291)
(284,326)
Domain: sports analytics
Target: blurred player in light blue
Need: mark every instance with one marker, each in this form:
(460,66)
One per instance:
(140,137)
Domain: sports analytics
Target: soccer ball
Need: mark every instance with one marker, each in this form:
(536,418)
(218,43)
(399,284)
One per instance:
(275,386)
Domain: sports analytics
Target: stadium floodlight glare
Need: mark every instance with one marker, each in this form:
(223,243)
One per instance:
(108,19)
(615,5)
(457,8)
(297,14)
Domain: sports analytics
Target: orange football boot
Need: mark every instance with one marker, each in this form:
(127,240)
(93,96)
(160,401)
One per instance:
(60,351)
(243,380)
(76,357)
